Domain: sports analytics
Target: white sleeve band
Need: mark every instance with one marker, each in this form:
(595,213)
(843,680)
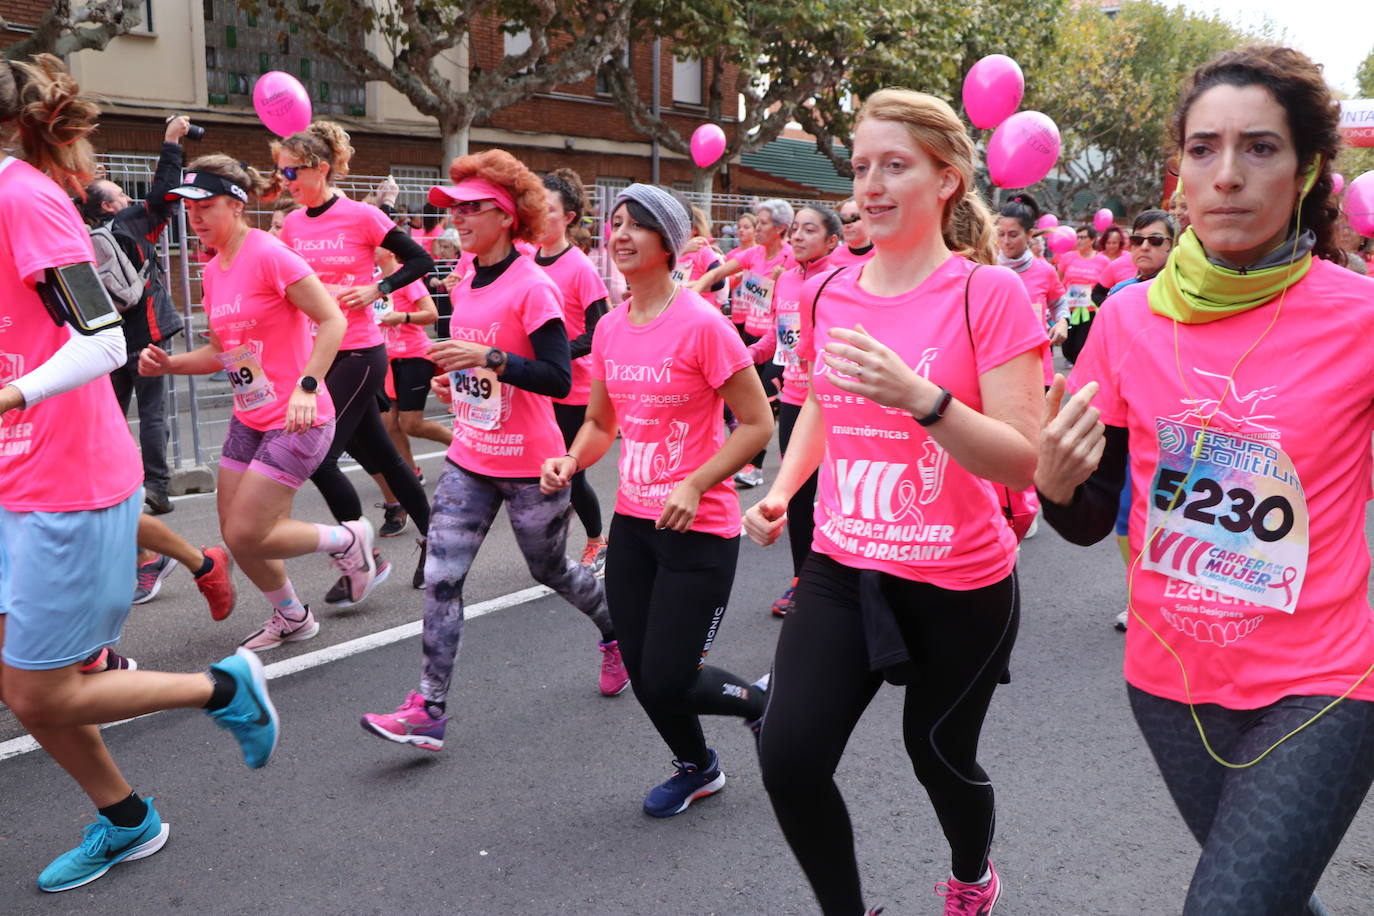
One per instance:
(80,360)
(1059,310)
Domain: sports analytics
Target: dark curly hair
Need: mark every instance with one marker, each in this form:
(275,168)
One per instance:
(1296,83)
(501,168)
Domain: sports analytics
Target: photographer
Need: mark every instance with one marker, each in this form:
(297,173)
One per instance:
(150,316)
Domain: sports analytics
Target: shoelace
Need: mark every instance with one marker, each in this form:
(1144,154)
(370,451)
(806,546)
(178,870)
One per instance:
(95,838)
(966,895)
(147,574)
(610,660)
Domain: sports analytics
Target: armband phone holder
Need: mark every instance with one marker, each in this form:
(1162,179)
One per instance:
(74,295)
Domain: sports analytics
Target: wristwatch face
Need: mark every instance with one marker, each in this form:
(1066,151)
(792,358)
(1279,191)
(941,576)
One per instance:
(309,383)
(495,358)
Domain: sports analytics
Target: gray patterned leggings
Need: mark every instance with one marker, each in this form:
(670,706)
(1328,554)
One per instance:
(464,506)
(1267,831)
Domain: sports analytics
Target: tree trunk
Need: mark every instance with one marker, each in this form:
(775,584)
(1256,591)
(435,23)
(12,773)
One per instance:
(455,144)
(704,182)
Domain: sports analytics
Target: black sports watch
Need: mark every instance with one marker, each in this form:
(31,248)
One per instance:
(937,413)
(496,358)
(309,384)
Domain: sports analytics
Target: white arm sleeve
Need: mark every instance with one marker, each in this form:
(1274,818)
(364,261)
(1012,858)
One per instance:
(80,360)
(1060,309)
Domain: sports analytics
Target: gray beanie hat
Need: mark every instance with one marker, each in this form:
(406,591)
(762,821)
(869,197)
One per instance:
(666,210)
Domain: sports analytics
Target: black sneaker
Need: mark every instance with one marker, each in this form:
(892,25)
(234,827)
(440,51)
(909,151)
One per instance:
(158,503)
(418,580)
(394,522)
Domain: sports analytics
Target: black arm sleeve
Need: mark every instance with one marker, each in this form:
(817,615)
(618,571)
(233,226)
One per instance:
(415,261)
(1099,294)
(720,284)
(550,372)
(582,344)
(145,220)
(1092,514)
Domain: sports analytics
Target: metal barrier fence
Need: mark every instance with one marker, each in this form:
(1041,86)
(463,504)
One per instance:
(199,408)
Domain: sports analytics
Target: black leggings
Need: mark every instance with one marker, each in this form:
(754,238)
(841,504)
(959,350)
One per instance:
(584,501)
(1266,831)
(959,643)
(354,381)
(667,592)
(801,510)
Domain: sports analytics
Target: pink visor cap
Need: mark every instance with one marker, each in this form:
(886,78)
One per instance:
(473,189)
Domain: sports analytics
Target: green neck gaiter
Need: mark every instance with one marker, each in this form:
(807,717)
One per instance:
(1193,290)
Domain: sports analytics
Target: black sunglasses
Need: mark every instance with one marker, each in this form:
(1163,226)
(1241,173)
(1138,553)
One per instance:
(849,220)
(289,171)
(1156,241)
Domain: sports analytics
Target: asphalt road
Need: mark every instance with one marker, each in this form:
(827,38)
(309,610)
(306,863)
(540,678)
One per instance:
(533,807)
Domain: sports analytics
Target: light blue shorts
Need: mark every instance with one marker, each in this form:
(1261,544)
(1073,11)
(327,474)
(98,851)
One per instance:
(66,581)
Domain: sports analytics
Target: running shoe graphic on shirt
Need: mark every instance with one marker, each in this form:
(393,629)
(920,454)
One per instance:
(11,367)
(931,466)
(922,367)
(1201,409)
(651,462)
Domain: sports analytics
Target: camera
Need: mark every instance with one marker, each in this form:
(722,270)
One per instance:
(195,132)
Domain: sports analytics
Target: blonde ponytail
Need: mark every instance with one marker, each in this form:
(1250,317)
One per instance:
(52,119)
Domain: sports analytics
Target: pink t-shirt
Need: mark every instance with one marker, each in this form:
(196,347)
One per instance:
(1080,276)
(503,314)
(580,284)
(1043,286)
(71,452)
(792,297)
(341,246)
(890,499)
(755,261)
(404,341)
(1123,268)
(663,380)
(1238,653)
(265,341)
(844,256)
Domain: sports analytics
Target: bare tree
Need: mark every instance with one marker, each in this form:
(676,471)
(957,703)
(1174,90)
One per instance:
(568,39)
(67,27)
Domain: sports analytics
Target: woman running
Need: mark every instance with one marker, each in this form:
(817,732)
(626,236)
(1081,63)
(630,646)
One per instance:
(924,403)
(759,268)
(261,299)
(584,302)
(1079,270)
(1015,222)
(815,235)
(1250,655)
(507,359)
(857,246)
(338,237)
(71,489)
(662,365)
(410,310)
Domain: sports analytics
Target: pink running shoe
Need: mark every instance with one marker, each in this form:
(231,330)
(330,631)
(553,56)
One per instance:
(411,723)
(614,677)
(357,563)
(970,899)
(279,629)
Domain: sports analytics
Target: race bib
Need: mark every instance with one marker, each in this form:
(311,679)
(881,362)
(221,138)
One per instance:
(680,274)
(755,295)
(476,397)
(379,308)
(249,383)
(1231,516)
(789,332)
(1080,300)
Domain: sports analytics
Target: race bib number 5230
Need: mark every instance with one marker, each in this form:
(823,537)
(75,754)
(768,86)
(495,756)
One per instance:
(1228,513)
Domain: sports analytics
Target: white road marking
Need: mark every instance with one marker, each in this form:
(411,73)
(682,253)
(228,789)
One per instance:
(16,747)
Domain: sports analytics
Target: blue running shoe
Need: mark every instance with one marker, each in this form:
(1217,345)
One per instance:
(684,787)
(104,845)
(250,715)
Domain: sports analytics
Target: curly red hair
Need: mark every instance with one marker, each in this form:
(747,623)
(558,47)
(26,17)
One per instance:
(500,167)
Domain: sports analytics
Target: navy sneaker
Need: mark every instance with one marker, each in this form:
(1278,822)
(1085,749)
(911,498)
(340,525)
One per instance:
(250,715)
(684,787)
(103,845)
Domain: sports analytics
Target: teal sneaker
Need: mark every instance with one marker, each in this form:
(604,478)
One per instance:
(104,845)
(250,715)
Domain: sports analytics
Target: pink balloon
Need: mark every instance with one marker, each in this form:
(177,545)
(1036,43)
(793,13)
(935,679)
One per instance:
(1023,149)
(1061,239)
(1359,204)
(1048,221)
(993,89)
(1337,182)
(708,142)
(282,103)
(1103,220)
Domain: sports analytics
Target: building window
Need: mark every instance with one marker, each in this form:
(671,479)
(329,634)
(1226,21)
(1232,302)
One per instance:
(239,48)
(687,82)
(517,43)
(603,85)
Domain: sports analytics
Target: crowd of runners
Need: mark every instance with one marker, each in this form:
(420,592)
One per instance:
(901,343)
